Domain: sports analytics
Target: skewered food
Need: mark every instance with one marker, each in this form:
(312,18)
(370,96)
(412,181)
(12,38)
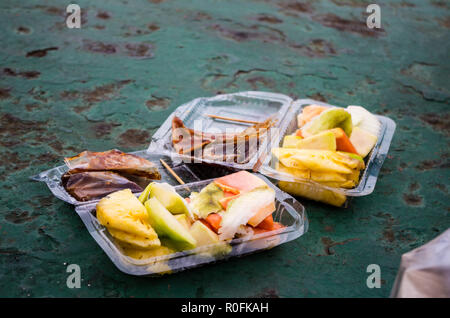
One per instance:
(219,146)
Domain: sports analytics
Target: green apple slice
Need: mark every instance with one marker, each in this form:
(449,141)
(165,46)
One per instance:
(165,224)
(202,234)
(184,220)
(325,140)
(329,119)
(168,197)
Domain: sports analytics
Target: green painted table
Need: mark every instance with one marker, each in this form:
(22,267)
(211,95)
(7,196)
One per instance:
(111,84)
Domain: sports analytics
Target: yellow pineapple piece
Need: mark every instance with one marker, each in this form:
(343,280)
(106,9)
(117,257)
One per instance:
(122,211)
(313,192)
(298,173)
(133,239)
(345,184)
(327,176)
(147,253)
(320,161)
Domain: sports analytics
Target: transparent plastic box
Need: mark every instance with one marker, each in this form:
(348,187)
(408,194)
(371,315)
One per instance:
(289,212)
(250,105)
(52,177)
(373,161)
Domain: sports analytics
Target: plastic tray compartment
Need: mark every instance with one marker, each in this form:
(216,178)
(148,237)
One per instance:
(250,105)
(288,211)
(373,161)
(52,177)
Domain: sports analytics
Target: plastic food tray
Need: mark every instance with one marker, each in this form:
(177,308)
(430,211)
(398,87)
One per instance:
(288,211)
(52,177)
(250,105)
(373,161)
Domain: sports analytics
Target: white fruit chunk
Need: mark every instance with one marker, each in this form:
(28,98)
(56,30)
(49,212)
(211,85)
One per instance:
(363,141)
(364,119)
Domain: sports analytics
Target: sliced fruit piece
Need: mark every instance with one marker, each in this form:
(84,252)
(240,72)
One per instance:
(313,192)
(202,234)
(325,140)
(320,160)
(267,223)
(348,184)
(169,198)
(207,200)
(224,202)
(290,141)
(316,160)
(214,220)
(308,113)
(165,224)
(284,156)
(343,143)
(147,253)
(352,155)
(329,119)
(144,195)
(363,141)
(184,220)
(133,239)
(122,211)
(242,209)
(298,173)
(327,176)
(262,214)
(275,226)
(298,133)
(352,161)
(364,119)
(318,176)
(354,176)
(239,182)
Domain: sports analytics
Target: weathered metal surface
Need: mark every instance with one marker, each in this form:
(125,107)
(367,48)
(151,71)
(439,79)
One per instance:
(111,84)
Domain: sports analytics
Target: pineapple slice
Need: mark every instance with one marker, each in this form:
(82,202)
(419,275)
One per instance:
(313,192)
(320,161)
(133,239)
(318,176)
(346,184)
(327,176)
(122,211)
(317,160)
(298,173)
(146,253)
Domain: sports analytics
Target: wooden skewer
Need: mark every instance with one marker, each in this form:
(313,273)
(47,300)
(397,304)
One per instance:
(234,119)
(171,171)
(180,181)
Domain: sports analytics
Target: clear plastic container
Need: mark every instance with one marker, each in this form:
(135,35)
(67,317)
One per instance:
(289,212)
(373,161)
(250,105)
(52,177)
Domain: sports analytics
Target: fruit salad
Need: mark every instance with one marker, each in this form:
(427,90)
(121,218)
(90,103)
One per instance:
(328,148)
(161,222)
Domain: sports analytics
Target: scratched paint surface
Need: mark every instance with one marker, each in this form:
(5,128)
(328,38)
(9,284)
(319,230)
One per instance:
(112,83)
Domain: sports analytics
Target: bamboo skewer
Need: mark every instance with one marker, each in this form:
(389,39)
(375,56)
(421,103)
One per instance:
(234,119)
(173,173)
